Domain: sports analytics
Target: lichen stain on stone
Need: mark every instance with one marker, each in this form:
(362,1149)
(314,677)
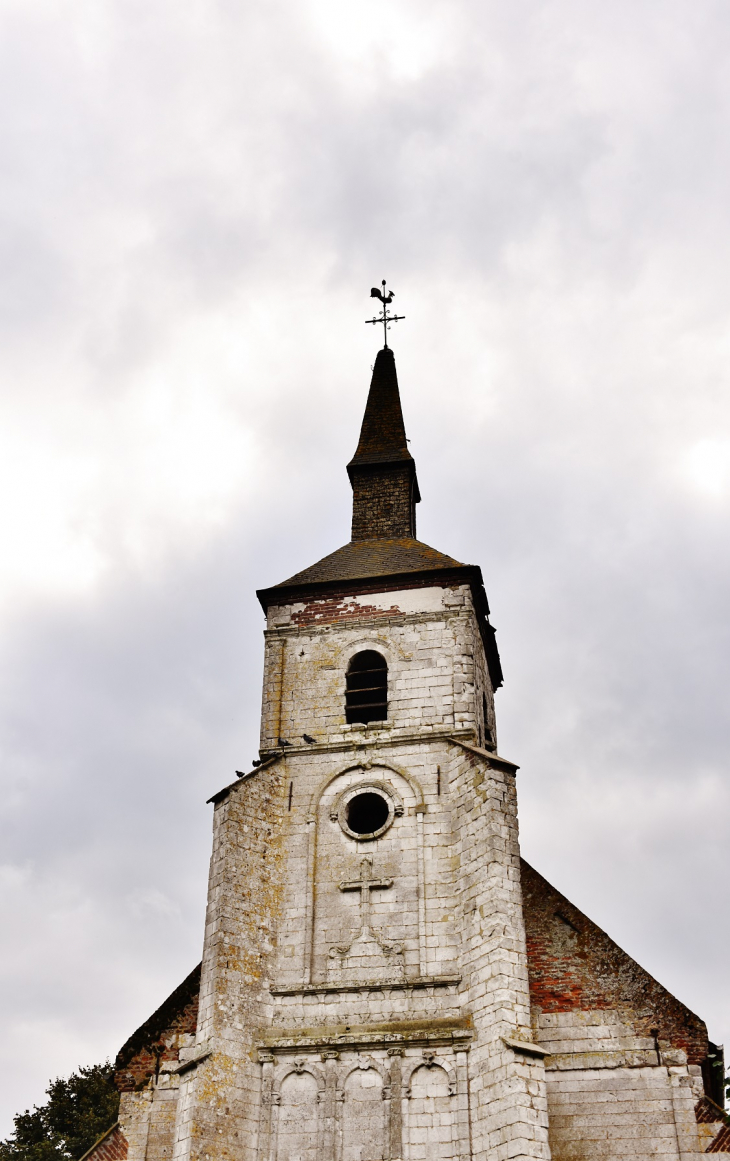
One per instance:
(478,783)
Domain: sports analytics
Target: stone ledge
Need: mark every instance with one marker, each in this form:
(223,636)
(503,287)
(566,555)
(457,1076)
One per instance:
(525,1047)
(488,756)
(458,1038)
(567,1061)
(196,1057)
(385,737)
(370,986)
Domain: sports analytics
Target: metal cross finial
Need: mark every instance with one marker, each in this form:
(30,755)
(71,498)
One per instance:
(384,318)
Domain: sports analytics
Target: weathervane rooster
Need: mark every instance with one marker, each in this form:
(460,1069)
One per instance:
(384,318)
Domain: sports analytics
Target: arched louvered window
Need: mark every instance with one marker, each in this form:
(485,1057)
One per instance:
(366,699)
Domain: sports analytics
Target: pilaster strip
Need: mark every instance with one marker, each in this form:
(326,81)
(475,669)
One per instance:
(422,945)
(396,1105)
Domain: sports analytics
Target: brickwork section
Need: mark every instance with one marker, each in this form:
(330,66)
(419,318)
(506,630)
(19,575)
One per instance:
(713,1125)
(575,966)
(707,1112)
(111,1147)
(721,1143)
(159,1039)
(382,503)
(338,610)
(624,1070)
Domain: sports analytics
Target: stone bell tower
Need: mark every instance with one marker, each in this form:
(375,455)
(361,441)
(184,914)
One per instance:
(364,988)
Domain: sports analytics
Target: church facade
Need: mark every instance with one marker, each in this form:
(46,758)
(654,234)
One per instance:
(383,977)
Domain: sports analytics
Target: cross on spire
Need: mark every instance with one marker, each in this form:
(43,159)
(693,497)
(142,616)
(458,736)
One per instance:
(365,884)
(384,318)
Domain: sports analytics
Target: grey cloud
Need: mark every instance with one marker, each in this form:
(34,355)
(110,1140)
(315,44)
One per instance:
(200,197)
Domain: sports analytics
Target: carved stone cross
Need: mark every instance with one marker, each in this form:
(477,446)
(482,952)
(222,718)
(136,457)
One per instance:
(365,884)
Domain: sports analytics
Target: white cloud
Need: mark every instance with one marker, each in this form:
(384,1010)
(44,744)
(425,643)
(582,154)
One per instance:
(707,466)
(195,202)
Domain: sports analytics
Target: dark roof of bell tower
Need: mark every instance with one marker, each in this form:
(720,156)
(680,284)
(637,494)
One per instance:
(368,559)
(383,432)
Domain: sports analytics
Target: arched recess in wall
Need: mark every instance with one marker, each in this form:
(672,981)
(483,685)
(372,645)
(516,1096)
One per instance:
(297,1127)
(352,936)
(380,770)
(363,1126)
(431,1107)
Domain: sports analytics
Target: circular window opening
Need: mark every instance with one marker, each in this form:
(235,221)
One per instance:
(367,813)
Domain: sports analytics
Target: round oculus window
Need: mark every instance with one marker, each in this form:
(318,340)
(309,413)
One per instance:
(366,813)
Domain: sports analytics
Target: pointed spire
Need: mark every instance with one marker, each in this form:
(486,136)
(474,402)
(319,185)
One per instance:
(382,471)
(383,433)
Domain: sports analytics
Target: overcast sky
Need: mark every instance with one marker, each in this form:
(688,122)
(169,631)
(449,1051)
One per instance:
(195,199)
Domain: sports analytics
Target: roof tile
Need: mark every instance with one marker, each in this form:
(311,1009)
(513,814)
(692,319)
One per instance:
(361,559)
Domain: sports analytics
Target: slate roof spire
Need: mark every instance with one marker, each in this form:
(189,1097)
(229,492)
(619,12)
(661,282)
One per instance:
(382,471)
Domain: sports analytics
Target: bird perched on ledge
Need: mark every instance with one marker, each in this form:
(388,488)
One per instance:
(283,742)
(308,738)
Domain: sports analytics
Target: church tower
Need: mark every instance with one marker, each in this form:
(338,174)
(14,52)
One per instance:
(383,978)
(364,988)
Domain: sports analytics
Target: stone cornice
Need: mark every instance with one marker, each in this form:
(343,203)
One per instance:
(417,1036)
(486,755)
(369,986)
(368,739)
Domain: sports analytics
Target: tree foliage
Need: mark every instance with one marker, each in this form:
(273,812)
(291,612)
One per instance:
(77,1112)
